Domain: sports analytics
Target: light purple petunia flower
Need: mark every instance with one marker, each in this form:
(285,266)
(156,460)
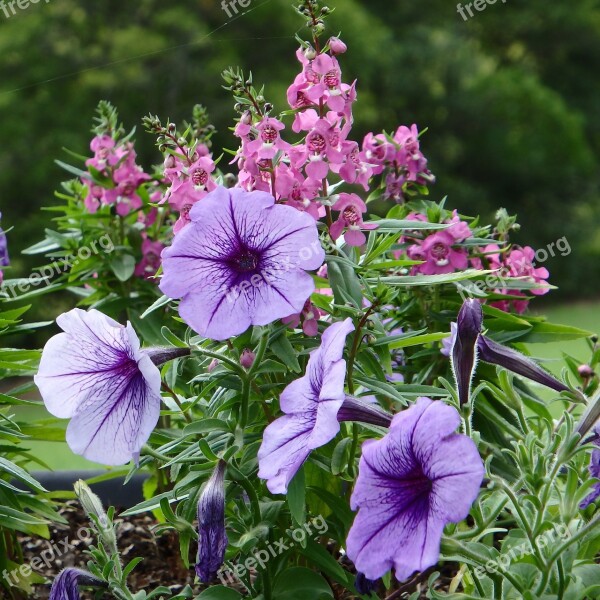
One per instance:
(96,375)
(311,404)
(411,483)
(66,585)
(241,261)
(212,538)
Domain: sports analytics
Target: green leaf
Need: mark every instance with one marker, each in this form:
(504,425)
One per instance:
(296,497)
(398,225)
(16,471)
(219,592)
(416,280)
(123,266)
(299,583)
(205,426)
(284,350)
(543,332)
(344,282)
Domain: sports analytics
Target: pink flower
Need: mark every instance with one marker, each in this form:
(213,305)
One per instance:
(269,140)
(520,261)
(309,317)
(440,255)
(351,209)
(150,262)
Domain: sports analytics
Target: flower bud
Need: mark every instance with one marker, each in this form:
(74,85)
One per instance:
(337,46)
(212,537)
(585,371)
(464,350)
(310,54)
(66,585)
(160,356)
(247,358)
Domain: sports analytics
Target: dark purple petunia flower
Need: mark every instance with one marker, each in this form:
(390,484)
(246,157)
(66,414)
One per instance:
(211,526)
(411,483)
(311,404)
(4,260)
(241,261)
(594,469)
(463,355)
(66,585)
(96,374)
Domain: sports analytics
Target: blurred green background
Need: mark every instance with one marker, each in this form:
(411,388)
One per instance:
(511,97)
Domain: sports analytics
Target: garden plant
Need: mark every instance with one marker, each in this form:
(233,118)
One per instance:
(331,401)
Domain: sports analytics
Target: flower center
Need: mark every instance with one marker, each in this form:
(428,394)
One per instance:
(199,177)
(351,215)
(269,134)
(316,143)
(246,261)
(332,79)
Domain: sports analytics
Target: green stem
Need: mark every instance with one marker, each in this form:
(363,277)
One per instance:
(228,361)
(591,526)
(173,395)
(240,478)
(356,345)
(247,379)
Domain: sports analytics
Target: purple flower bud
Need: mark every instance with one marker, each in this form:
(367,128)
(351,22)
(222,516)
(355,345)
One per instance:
(212,541)
(356,409)
(247,358)
(337,46)
(4,260)
(496,354)
(585,371)
(464,350)
(364,586)
(66,585)
(160,356)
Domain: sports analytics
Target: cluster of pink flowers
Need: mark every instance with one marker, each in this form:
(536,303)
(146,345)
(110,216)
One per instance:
(439,251)
(117,162)
(189,180)
(298,175)
(399,158)
(518,262)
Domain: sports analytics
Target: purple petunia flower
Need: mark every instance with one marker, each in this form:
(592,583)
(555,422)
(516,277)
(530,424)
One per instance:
(411,483)
(241,261)
(211,526)
(96,374)
(66,585)
(311,404)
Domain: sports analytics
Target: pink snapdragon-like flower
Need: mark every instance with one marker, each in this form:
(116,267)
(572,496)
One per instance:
(350,220)
(309,317)
(150,262)
(400,158)
(269,140)
(441,256)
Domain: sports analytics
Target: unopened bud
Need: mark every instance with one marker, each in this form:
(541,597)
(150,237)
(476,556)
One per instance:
(247,358)
(337,46)
(310,54)
(585,371)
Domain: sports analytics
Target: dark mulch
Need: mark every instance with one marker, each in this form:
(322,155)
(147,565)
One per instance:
(162,563)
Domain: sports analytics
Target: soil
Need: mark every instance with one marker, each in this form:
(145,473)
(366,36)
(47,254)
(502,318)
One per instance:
(162,563)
